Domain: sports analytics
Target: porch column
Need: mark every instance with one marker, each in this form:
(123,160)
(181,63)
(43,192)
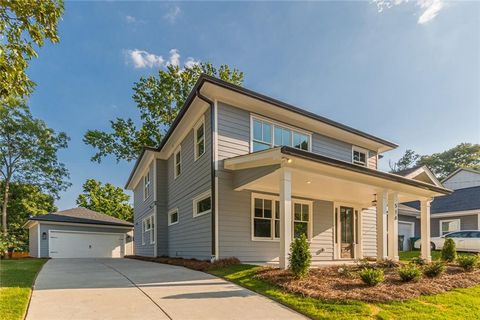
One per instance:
(393,226)
(381,225)
(425,229)
(285,216)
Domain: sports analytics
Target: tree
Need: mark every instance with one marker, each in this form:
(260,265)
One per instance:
(158,99)
(24,25)
(106,199)
(28,153)
(408,160)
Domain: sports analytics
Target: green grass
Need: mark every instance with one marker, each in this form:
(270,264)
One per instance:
(408,255)
(456,304)
(16,280)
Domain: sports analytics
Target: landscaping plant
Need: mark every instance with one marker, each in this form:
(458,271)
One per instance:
(387,264)
(409,272)
(371,276)
(419,261)
(300,257)
(449,250)
(468,263)
(434,269)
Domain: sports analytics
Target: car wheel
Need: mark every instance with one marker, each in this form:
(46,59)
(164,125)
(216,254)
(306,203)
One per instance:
(432,246)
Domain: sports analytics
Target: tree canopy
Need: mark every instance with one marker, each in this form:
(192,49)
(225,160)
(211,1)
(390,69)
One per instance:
(158,99)
(24,25)
(106,199)
(28,153)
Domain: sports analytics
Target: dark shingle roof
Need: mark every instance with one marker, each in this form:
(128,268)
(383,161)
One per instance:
(459,200)
(82,215)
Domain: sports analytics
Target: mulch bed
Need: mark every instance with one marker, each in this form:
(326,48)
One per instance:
(194,264)
(329,284)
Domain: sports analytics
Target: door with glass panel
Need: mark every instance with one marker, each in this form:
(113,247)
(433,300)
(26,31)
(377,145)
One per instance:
(347,229)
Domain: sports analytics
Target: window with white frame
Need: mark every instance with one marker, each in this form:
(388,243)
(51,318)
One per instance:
(146,186)
(199,138)
(451,225)
(152,229)
(144,226)
(177,162)
(202,204)
(359,156)
(267,134)
(263,218)
(173,216)
(301,217)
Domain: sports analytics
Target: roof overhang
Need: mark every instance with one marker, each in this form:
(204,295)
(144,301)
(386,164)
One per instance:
(31,222)
(339,176)
(458,170)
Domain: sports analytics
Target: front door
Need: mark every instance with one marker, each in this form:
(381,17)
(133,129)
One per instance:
(347,247)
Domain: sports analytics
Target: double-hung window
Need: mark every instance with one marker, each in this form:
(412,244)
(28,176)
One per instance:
(177,162)
(262,218)
(144,227)
(146,186)
(199,138)
(267,134)
(301,216)
(447,226)
(152,229)
(359,156)
(202,204)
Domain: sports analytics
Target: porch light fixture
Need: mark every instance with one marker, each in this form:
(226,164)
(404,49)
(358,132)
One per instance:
(44,236)
(288,160)
(308,182)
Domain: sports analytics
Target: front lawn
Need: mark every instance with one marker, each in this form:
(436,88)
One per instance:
(408,255)
(16,280)
(458,303)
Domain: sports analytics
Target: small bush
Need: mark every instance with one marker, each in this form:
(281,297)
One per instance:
(410,272)
(365,264)
(387,264)
(468,263)
(300,257)
(449,250)
(434,269)
(345,271)
(419,261)
(372,277)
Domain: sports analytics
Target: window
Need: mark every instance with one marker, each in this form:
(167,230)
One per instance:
(152,229)
(301,215)
(173,217)
(359,156)
(199,136)
(177,162)
(144,224)
(267,134)
(146,186)
(262,218)
(202,204)
(447,226)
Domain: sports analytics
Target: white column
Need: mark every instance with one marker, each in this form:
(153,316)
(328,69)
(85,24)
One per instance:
(425,229)
(381,225)
(285,216)
(393,226)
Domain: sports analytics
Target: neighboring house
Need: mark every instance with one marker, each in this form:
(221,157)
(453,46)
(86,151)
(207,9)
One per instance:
(79,233)
(240,174)
(457,211)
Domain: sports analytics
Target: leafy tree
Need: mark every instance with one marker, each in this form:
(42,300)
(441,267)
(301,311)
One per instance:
(158,99)
(106,199)
(408,160)
(28,153)
(300,257)
(24,25)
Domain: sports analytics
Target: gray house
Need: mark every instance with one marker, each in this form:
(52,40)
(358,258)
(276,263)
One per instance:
(241,174)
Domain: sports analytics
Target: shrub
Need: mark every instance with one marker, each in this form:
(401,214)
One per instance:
(468,263)
(365,264)
(387,264)
(409,272)
(345,271)
(449,251)
(419,261)
(434,269)
(372,277)
(300,257)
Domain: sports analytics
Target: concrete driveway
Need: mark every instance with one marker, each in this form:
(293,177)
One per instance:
(132,289)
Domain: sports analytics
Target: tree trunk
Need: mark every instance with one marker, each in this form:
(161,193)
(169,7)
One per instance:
(4,207)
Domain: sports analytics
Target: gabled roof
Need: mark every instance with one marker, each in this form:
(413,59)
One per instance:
(458,170)
(420,173)
(460,200)
(83,216)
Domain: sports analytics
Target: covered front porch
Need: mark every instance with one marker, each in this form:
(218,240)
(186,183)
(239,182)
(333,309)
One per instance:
(364,214)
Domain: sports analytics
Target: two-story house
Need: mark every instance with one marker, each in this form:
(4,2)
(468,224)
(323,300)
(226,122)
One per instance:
(241,174)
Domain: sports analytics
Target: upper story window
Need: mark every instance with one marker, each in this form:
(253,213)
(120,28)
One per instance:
(177,163)
(146,186)
(199,138)
(202,204)
(267,134)
(173,216)
(359,156)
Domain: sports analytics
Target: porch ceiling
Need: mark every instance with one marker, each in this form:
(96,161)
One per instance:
(319,177)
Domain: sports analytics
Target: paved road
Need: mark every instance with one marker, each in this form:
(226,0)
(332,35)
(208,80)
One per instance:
(130,289)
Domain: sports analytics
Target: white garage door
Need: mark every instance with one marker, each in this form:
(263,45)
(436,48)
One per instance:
(407,230)
(70,244)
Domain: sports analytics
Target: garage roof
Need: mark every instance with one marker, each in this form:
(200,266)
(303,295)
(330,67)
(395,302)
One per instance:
(81,215)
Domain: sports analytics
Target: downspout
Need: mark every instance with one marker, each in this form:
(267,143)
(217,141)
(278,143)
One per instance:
(213,173)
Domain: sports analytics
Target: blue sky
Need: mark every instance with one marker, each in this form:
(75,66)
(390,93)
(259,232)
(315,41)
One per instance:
(409,72)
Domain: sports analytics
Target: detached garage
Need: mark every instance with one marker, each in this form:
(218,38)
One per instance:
(79,233)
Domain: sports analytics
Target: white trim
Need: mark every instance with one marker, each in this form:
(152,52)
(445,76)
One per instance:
(200,122)
(144,224)
(153,227)
(178,150)
(146,184)
(172,211)
(155,233)
(478,221)
(357,226)
(449,220)
(197,199)
(454,214)
(457,171)
(362,150)
(39,237)
(274,123)
(89,225)
(215,162)
(412,229)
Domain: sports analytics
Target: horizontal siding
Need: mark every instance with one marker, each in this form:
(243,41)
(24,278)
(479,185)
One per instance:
(162,207)
(142,209)
(321,243)
(369,232)
(372,160)
(33,241)
(468,222)
(331,147)
(463,179)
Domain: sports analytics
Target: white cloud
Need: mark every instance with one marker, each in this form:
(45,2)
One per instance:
(174,57)
(143,59)
(190,62)
(430,8)
(172,14)
(130,19)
